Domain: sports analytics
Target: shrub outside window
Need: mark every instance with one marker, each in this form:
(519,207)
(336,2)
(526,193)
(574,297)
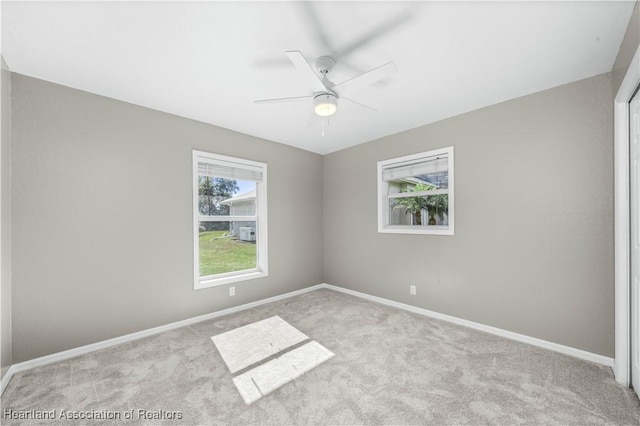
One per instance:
(415,193)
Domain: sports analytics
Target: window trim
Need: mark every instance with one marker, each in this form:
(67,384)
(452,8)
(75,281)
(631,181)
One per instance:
(262,255)
(383,197)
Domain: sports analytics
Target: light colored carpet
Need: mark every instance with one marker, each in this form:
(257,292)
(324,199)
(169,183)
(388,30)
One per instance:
(267,377)
(253,343)
(391,367)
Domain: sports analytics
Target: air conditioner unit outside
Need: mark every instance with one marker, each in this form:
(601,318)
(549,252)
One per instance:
(247,233)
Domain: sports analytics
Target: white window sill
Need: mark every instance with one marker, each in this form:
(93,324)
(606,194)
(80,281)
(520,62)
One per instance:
(223,279)
(423,230)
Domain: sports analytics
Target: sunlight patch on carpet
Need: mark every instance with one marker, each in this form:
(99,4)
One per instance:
(250,344)
(266,378)
(255,345)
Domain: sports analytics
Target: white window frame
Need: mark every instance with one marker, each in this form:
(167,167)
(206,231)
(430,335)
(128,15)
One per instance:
(262,268)
(383,196)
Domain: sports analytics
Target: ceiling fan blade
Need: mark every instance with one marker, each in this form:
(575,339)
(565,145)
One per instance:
(358,103)
(309,9)
(301,64)
(277,100)
(272,63)
(375,33)
(365,79)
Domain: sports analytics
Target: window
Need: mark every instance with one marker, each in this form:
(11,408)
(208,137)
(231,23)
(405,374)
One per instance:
(415,193)
(229,219)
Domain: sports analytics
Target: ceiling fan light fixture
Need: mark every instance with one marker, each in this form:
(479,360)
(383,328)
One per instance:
(325,104)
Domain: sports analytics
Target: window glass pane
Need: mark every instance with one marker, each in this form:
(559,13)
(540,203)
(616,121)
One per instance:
(428,167)
(227,247)
(416,194)
(222,197)
(427,182)
(431,210)
(439,179)
(230,219)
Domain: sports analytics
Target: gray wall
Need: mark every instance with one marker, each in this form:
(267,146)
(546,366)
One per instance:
(102,241)
(533,249)
(102,220)
(5,218)
(628,48)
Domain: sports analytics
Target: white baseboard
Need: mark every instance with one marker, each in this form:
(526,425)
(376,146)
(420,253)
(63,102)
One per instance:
(5,379)
(82,350)
(567,350)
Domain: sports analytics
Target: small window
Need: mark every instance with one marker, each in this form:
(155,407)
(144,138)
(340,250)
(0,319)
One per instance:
(230,219)
(415,193)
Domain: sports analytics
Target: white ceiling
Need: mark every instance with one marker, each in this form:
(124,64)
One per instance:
(209,60)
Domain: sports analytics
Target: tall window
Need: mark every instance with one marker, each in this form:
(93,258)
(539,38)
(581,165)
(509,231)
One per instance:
(415,193)
(229,219)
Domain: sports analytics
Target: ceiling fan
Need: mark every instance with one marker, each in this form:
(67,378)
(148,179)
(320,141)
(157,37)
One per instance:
(325,93)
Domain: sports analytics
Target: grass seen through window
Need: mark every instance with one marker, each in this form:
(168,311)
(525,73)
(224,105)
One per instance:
(220,253)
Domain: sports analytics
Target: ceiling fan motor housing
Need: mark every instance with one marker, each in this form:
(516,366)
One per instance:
(324,64)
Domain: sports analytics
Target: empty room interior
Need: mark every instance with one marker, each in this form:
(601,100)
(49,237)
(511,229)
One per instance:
(317,212)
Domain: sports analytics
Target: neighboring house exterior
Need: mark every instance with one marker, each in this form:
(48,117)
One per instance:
(242,205)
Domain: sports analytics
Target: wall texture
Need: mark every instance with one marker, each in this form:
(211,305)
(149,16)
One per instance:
(628,48)
(102,219)
(5,218)
(533,250)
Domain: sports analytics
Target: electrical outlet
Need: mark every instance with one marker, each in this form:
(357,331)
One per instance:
(412,289)
(232,291)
